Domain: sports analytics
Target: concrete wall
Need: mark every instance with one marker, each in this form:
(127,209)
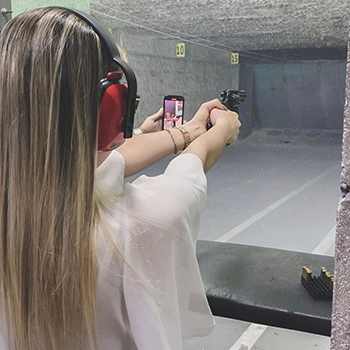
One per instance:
(199,77)
(341,296)
(242,24)
(19,6)
(305,95)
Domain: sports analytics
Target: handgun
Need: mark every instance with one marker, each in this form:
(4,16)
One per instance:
(230,99)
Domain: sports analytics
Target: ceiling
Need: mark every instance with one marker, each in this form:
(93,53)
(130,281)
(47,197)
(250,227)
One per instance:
(240,24)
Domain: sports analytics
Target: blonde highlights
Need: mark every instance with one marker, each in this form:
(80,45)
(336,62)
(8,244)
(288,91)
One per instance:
(50,66)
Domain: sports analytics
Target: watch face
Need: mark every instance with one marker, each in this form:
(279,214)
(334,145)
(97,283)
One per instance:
(137,131)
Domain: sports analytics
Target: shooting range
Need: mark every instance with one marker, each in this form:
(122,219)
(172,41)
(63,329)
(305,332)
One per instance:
(270,224)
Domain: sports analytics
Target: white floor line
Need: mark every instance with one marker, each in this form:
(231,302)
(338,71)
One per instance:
(230,234)
(326,243)
(249,337)
(331,250)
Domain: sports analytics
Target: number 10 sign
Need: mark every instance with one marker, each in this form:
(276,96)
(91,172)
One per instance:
(180,50)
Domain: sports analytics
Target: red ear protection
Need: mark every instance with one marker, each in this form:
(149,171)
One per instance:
(119,101)
(112,111)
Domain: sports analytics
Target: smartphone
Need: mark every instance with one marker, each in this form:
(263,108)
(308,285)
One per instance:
(173,111)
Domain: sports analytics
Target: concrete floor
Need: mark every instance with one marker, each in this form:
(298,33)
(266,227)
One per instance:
(275,190)
(238,335)
(298,180)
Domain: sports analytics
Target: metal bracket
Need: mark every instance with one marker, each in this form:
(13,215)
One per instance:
(5,12)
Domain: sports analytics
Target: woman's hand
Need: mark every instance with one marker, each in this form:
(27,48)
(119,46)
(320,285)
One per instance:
(203,113)
(228,121)
(153,123)
(210,145)
(198,124)
(142,151)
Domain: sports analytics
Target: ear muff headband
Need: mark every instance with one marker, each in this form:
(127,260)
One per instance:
(109,44)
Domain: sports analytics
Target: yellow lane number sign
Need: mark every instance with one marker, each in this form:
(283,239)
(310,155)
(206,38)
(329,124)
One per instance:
(180,50)
(235,58)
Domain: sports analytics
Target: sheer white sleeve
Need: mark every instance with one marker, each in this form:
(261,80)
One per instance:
(164,294)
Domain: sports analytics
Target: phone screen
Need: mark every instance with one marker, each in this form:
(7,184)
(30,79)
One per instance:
(173,111)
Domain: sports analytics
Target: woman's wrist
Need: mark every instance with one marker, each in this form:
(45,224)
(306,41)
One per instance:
(176,138)
(225,131)
(195,129)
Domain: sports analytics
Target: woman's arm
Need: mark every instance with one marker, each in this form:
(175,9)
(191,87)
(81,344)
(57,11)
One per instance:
(210,145)
(143,150)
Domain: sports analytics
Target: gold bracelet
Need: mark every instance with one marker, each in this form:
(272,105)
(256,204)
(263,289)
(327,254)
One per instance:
(185,135)
(172,137)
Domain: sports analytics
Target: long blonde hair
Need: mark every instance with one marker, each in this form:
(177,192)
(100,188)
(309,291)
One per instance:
(51,64)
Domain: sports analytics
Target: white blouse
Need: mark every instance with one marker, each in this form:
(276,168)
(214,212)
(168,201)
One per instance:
(150,296)
(153,298)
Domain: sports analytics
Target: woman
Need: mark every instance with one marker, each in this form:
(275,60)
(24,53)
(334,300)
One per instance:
(85,264)
(168,121)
